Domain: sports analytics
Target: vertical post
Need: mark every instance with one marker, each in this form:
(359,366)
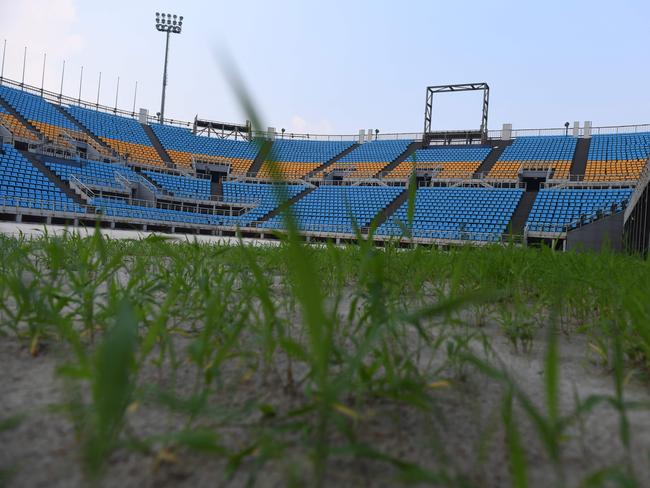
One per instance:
(2,70)
(81,79)
(99,85)
(135,95)
(117,92)
(484,118)
(62,75)
(162,103)
(22,83)
(427,112)
(43,74)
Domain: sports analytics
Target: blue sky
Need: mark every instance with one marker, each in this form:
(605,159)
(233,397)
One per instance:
(338,66)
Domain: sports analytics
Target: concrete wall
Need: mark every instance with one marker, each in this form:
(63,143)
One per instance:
(607,231)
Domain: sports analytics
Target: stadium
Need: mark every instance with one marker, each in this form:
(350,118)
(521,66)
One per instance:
(76,162)
(199,303)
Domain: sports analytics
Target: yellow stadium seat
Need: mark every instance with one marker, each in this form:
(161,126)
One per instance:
(287,169)
(18,130)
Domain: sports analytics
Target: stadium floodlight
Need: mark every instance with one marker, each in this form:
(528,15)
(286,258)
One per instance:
(169,24)
(566,128)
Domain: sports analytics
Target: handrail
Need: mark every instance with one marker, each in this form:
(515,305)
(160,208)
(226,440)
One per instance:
(344,230)
(38,204)
(74,181)
(640,187)
(202,208)
(122,180)
(60,99)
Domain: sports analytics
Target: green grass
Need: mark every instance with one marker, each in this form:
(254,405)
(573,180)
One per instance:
(340,330)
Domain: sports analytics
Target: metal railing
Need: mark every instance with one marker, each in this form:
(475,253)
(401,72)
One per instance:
(347,232)
(210,208)
(60,99)
(641,184)
(592,181)
(550,227)
(22,204)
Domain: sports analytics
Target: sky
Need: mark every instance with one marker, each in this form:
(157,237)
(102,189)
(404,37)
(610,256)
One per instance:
(337,66)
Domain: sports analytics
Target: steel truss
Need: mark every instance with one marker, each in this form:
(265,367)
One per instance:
(428,111)
(222,130)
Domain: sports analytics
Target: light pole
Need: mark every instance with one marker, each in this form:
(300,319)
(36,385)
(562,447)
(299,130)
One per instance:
(169,24)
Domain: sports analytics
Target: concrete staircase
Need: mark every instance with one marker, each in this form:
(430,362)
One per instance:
(390,209)
(216,188)
(579,162)
(333,160)
(410,149)
(148,178)
(52,176)
(155,142)
(264,151)
(521,213)
(495,154)
(96,140)
(287,204)
(22,119)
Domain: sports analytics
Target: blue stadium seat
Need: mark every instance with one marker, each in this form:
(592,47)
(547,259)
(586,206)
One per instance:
(334,208)
(555,209)
(480,214)
(23,185)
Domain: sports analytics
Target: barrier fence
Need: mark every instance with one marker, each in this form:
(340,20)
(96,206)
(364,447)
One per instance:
(60,99)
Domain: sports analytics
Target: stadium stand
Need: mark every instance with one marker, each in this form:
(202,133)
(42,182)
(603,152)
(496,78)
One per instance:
(44,178)
(17,129)
(124,135)
(368,159)
(333,208)
(555,209)
(41,115)
(538,152)
(268,197)
(617,157)
(480,214)
(182,145)
(22,185)
(443,162)
(119,207)
(181,185)
(294,159)
(92,173)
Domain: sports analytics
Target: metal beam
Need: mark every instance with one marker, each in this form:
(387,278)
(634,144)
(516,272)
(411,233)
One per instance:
(432,90)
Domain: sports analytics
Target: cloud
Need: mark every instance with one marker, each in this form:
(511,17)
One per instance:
(44,26)
(300,125)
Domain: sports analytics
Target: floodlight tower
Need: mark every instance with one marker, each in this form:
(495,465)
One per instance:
(169,24)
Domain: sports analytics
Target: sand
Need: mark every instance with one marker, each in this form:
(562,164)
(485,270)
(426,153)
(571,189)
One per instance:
(464,436)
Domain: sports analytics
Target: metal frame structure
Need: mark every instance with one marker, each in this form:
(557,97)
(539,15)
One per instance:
(170,24)
(433,90)
(222,130)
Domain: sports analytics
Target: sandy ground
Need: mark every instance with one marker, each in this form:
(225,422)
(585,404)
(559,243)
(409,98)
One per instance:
(464,435)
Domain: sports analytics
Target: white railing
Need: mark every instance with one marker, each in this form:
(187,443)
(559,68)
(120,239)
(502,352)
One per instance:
(642,183)
(22,204)
(59,99)
(347,231)
(233,207)
(75,182)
